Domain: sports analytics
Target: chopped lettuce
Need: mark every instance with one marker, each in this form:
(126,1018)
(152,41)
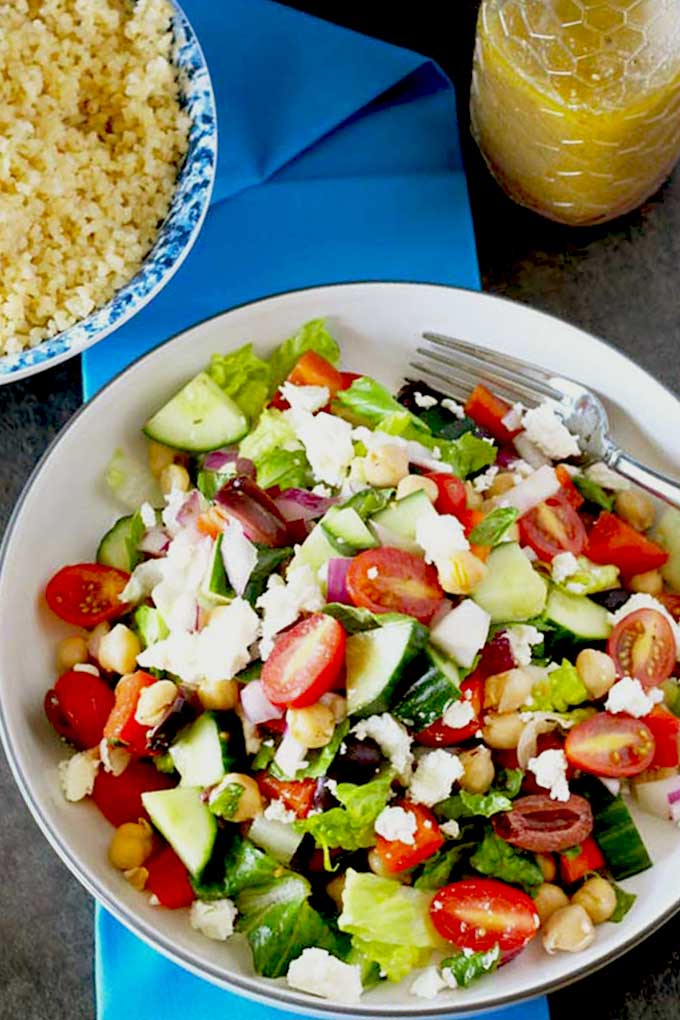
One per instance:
(227,801)
(593,492)
(498,859)
(150,625)
(350,826)
(671,693)
(268,560)
(394,961)
(244,377)
(468,967)
(264,756)
(246,865)
(272,432)
(369,501)
(367,402)
(383,910)
(562,689)
(498,798)
(320,761)
(493,529)
(624,902)
(210,482)
(437,869)
(131,482)
(289,469)
(465,455)
(591,577)
(313,336)
(355,619)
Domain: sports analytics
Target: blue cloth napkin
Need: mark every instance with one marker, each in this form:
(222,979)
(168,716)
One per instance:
(339,160)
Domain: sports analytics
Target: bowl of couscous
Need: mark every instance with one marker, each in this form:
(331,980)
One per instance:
(108,149)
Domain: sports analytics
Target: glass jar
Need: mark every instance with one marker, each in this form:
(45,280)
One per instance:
(576,103)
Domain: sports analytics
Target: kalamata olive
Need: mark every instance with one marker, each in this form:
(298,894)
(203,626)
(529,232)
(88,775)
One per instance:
(543,825)
(439,418)
(255,510)
(612,599)
(179,714)
(323,799)
(357,761)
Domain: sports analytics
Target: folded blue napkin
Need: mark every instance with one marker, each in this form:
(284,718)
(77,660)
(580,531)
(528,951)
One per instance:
(339,161)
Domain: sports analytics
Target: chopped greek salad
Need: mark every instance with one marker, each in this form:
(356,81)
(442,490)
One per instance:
(369,680)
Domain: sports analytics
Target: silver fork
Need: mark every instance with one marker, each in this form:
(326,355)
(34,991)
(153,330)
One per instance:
(456,366)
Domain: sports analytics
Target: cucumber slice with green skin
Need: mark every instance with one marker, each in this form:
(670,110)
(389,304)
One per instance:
(276,838)
(668,535)
(199,753)
(431,694)
(201,417)
(376,660)
(119,546)
(401,517)
(186,822)
(150,625)
(511,590)
(346,531)
(579,615)
(614,830)
(314,551)
(216,588)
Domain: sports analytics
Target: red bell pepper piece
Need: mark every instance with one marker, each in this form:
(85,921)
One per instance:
(169,880)
(590,859)
(488,411)
(297,795)
(397,856)
(569,490)
(611,540)
(121,726)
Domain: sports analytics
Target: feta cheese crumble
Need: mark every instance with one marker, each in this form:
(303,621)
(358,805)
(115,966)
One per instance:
(304,398)
(392,738)
(239,555)
(640,600)
(521,637)
(327,440)
(513,419)
(114,759)
(462,632)
(77,775)
(428,984)
(214,919)
(484,481)
(454,407)
(550,770)
(148,515)
(450,829)
(563,566)
(284,601)
(276,811)
(549,434)
(424,400)
(435,774)
(629,696)
(440,536)
(319,973)
(458,714)
(290,755)
(393,823)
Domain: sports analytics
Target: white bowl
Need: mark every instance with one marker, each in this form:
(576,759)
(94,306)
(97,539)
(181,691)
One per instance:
(65,509)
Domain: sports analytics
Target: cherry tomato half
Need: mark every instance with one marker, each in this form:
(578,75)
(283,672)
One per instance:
(610,745)
(119,798)
(296,795)
(86,594)
(553,527)
(665,729)
(569,490)
(305,662)
(479,913)
(452,497)
(427,839)
(438,734)
(672,603)
(78,706)
(394,581)
(643,646)
(168,880)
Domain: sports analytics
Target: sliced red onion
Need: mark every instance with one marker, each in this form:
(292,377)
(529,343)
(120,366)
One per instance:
(255,510)
(529,452)
(218,460)
(337,580)
(505,457)
(674,796)
(538,487)
(257,706)
(302,505)
(155,542)
(190,509)
(660,797)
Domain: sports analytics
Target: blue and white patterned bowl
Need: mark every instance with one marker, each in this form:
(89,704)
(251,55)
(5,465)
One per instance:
(177,233)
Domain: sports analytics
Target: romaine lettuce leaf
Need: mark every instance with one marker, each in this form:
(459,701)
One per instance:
(289,469)
(495,526)
(624,902)
(498,798)
(226,803)
(313,336)
(320,761)
(272,432)
(395,962)
(355,619)
(562,689)
(465,455)
(369,501)
(466,968)
(498,859)
(244,377)
(383,910)
(367,402)
(268,560)
(591,577)
(437,869)
(593,492)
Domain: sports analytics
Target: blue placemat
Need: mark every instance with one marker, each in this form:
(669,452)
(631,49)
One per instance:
(339,160)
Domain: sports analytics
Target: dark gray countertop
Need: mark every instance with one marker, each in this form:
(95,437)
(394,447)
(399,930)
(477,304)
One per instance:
(620,282)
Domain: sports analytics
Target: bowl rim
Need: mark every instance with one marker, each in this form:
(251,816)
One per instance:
(252,987)
(45,358)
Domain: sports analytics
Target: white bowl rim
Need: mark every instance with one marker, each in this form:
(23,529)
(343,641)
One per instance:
(252,987)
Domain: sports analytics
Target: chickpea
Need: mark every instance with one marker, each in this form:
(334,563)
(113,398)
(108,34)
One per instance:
(336,888)
(508,691)
(118,650)
(546,863)
(502,731)
(172,477)
(548,900)
(478,770)
(160,457)
(417,483)
(250,803)
(131,845)
(635,508)
(311,726)
(569,929)
(137,877)
(71,651)
(94,640)
(386,465)
(462,573)
(651,582)
(218,695)
(473,499)
(502,483)
(336,703)
(377,866)
(597,898)
(597,671)
(154,702)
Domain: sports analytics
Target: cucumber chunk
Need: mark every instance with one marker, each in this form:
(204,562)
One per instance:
(314,551)
(376,660)
(150,625)
(431,694)
(582,617)
(668,535)
(346,531)
(198,753)
(401,517)
(119,546)
(511,591)
(614,830)
(185,821)
(199,418)
(279,839)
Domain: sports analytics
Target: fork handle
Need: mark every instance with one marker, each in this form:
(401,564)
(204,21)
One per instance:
(660,485)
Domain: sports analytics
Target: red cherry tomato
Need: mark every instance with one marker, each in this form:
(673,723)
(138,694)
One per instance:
(452,498)
(573,869)
(313,370)
(672,603)
(569,490)
(86,594)
(119,798)
(121,726)
(610,745)
(665,729)
(642,645)
(169,880)
(553,527)
(438,734)
(479,913)
(305,662)
(297,795)
(78,706)
(397,856)
(394,581)
(488,412)
(348,378)
(611,540)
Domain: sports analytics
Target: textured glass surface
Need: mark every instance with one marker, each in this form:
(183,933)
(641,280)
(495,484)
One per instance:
(576,103)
